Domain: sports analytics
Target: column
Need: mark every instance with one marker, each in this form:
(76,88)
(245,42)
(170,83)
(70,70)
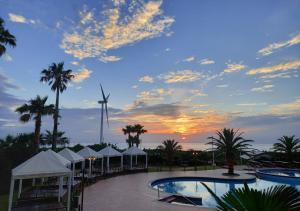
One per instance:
(11,193)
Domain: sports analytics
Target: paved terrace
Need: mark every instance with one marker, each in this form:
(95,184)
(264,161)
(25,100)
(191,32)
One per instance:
(133,193)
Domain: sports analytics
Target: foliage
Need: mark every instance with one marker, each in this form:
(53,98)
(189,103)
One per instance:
(6,38)
(230,143)
(46,139)
(35,110)
(288,145)
(58,79)
(170,147)
(136,129)
(13,151)
(275,198)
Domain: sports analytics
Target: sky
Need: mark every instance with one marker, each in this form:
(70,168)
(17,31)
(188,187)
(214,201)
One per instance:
(183,69)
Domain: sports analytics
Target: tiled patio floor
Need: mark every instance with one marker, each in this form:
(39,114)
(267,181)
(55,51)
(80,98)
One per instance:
(133,193)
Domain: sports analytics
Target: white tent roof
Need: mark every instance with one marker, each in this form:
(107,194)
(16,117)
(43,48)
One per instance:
(109,152)
(87,152)
(60,158)
(71,156)
(40,165)
(134,151)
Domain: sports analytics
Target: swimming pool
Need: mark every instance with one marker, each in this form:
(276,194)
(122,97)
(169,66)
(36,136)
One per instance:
(192,187)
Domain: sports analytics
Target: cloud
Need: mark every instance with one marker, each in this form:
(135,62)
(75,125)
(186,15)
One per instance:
(7,57)
(290,65)
(75,63)
(189,59)
(154,95)
(110,58)
(234,67)
(265,88)
(135,86)
(146,79)
(94,36)
(167,49)
(82,75)
(283,44)
(20,19)
(222,86)
(198,92)
(180,76)
(287,108)
(277,75)
(251,104)
(207,61)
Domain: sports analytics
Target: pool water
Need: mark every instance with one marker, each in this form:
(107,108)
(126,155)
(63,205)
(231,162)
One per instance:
(194,188)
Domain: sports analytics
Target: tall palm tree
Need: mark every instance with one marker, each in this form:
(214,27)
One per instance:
(128,130)
(35,110)
(138,129)
(170,147)
(46,139)
(231,143)
(57,78)
(288,145)
(6,38)
(275,198)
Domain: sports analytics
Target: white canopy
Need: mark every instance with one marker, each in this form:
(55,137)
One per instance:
(109,152)
(40,165)
(87,152)
(134,151)
(58,157)
(71,156)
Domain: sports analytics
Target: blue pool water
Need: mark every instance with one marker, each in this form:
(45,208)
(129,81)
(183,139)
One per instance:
(193,187)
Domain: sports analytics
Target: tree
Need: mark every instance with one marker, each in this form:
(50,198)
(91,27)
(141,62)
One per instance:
(129,130)
(61,140)
(57,78)
(275,198)
(170,147)
(6,38)
(35,110)
(288,145)
(231,143)
(138,129)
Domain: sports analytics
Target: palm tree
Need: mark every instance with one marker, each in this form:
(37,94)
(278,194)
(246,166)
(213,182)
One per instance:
(138,129)
(275,198)
(288,145)
(170,147)
(6,38)
(61,140)
(129,130)
(57,78)
(231,143)
(35,110)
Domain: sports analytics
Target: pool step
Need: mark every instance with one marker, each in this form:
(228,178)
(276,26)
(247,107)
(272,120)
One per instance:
(185,200)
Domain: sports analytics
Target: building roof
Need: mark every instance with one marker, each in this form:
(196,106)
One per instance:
(109,152)
(87,152)
(134,151)
(42,164)
(71,156)
(60,158)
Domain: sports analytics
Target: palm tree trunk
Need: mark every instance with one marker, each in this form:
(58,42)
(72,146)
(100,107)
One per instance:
(137,139)
(230,167)
(55,117)
(37,131)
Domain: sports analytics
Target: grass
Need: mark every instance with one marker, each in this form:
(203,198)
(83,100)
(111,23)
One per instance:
(3,202)
(180,168)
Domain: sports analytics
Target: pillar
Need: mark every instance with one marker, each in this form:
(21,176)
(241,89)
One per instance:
(11,193)
(20,188)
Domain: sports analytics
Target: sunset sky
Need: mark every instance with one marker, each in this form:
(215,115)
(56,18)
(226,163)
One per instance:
(183,69)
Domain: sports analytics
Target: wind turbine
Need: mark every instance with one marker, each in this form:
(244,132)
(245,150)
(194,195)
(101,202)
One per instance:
(103,103)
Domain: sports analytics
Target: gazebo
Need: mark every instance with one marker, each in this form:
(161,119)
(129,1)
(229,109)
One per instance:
(134,151)
(91,155)
(41,165)
(109,152)
(73,158)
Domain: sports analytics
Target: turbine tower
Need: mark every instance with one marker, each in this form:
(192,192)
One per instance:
(103,103)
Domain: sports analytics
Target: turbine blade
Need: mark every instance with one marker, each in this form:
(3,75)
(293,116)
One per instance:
(103,95)
(106,111)
(107,97)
